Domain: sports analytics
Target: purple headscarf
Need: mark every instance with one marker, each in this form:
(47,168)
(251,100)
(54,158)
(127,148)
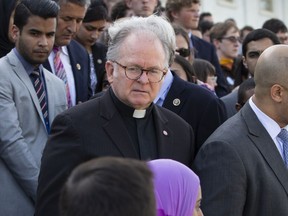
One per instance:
(175,186)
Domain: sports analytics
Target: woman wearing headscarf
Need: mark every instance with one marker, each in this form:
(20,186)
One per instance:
(6,21)
(176,187)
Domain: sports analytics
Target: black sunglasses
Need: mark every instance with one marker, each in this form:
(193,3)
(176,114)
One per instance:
(183,52)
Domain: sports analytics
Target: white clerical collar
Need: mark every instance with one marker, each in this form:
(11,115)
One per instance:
(139,113)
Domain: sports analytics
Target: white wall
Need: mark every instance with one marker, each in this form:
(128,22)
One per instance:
(245,12)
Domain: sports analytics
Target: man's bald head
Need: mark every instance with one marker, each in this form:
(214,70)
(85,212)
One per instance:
(271,79)
(272,67)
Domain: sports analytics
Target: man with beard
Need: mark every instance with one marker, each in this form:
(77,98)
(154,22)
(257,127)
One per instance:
(30,98)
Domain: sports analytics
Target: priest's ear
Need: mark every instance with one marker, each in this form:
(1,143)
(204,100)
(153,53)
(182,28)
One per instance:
(110,71)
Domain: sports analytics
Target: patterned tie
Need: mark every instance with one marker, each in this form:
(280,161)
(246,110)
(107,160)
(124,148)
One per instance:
(60,72)
(283,135)
(40,91)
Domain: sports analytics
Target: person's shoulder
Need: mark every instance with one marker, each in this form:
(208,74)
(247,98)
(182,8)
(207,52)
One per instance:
(99,46)
(172,117)
(49,75)
(202,42)
(195,91)
(76,46)
(232,131)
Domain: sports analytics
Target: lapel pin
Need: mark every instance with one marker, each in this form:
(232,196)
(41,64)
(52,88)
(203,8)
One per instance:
(165,132)
(176,102)
(78,66)
(99,61)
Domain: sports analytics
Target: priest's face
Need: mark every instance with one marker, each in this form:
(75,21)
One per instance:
(140,50)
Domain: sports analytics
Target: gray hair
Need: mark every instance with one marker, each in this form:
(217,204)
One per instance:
(153,24)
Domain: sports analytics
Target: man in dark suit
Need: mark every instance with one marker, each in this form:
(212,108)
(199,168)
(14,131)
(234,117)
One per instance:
(124,121)
(198,106)
(243,164)
(73,56)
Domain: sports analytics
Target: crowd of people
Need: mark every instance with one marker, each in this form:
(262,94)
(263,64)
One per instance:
(126,107)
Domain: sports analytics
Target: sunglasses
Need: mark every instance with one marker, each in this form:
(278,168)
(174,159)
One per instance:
(183,52)
(232,39)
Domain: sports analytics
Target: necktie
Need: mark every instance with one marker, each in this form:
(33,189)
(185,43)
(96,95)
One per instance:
(283,135)
(60,72)
(40,91)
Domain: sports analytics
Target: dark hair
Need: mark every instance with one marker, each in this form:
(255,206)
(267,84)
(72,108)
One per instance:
(187,67)
(179,30)
(203,15)
(243,88)
(245,28)
(97,10)
(259,34)
(77,2)
(26,8)
(6,9)
(109,186)
(205,25)
(118,10)
(275,25)
(203,69)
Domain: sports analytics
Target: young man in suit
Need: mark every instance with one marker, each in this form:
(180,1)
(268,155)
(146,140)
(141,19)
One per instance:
(69,60)
(243,164)
(124,121)
(109,186)
(186,14)
(30,98)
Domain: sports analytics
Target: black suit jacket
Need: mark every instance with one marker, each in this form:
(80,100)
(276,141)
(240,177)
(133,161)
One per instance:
(94,129)
(99,52)
(204,111)
(80,64)
(205,50)
(241,171)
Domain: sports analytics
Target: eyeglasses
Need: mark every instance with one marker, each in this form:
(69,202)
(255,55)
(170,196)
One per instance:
(183,52)
(232,39)
(134,73)
(254,54)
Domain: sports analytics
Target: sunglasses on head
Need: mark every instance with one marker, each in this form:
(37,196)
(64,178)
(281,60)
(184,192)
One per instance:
(183,52)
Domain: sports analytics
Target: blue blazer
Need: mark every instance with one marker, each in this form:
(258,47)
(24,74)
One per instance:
(202,109)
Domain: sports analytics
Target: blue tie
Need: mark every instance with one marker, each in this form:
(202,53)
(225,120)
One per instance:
(40,91)
(283,135)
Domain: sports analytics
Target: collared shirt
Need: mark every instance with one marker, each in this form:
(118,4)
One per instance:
(68,69)
(168,79)
(269,124)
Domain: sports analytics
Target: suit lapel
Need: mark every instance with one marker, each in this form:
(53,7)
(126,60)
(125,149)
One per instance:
(174,100)
(51,97)
(266,146)
(18,68)
(115,128)
(165,136)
